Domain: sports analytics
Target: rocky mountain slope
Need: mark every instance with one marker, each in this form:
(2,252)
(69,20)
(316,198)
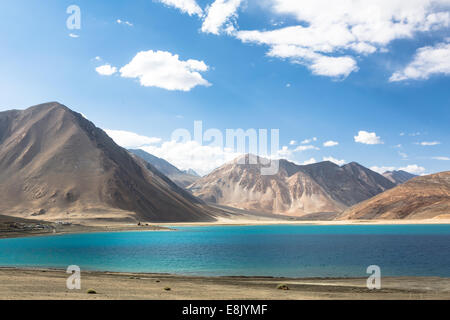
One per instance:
(399,176)
(420,198)
(294,190)
(55,164)
(181,178)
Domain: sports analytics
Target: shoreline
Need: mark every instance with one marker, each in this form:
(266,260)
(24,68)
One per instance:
(238,222)
(50,284)
(150,227)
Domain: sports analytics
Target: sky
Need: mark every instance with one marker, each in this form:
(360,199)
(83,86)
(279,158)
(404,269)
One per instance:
(363,80)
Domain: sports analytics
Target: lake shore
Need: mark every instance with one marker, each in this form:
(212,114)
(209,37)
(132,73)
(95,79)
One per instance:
(253,222)
(79,229)
(118,227)
(50,284)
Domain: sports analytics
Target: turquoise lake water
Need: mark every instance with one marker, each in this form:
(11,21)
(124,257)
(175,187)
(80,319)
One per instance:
(290,251)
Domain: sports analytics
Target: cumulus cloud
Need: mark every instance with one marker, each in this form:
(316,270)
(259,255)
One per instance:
(413,169)
(328,30)
(330,143)
(131,140)
(428,61)
(334,160)
(368,138)
(382,170)
(292,142)
(186,6)
(220,14)
(106,70)
(165,70)
(310,161)
(191,155)
(73,35)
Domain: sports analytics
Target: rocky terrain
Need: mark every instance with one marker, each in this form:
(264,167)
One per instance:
(399,176)
(426,197)
(57,165)
(295,190)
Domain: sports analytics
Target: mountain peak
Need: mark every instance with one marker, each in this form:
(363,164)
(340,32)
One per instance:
(52,158)
(294,190)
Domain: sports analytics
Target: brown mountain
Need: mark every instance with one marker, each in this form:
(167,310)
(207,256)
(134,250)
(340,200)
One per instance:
(56,164)
(294,190)
(420,198)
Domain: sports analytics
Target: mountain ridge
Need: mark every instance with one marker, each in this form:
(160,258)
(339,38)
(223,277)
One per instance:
(181,178)
(295,190)
(55,161)
(424,197)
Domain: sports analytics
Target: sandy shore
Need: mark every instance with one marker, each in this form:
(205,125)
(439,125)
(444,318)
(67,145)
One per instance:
(49,284)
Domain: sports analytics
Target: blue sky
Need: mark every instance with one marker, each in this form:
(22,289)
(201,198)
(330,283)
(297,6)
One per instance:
(306,68)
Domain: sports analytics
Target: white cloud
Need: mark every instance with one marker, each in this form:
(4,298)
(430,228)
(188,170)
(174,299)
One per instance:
(310,161)
(219,14)
(97,58)
(292,142)
(73,35)
(186,6)
(127,23)
(130,140)
(334,160)
(333,66)
(192,155)
(441,158)
(382,170)
(428,61)
(319,64)
(106,70)
(165,70)
(331,143)
(307,141)
(329,30)
(306,147)
(403,155)
(413,168)
(284,153)
(368,138)
(428,143)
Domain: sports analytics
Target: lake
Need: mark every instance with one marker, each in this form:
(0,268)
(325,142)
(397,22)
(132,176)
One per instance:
(281,250)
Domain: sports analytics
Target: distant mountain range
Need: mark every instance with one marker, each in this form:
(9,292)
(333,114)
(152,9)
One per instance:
(420,198)
(398,177)
(181,178)
(56,164)
(295,190)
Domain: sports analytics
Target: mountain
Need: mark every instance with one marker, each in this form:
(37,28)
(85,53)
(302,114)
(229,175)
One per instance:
(398,177)
(56,164)
(191,172)
(423,197)
(295,190)
(181,178)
